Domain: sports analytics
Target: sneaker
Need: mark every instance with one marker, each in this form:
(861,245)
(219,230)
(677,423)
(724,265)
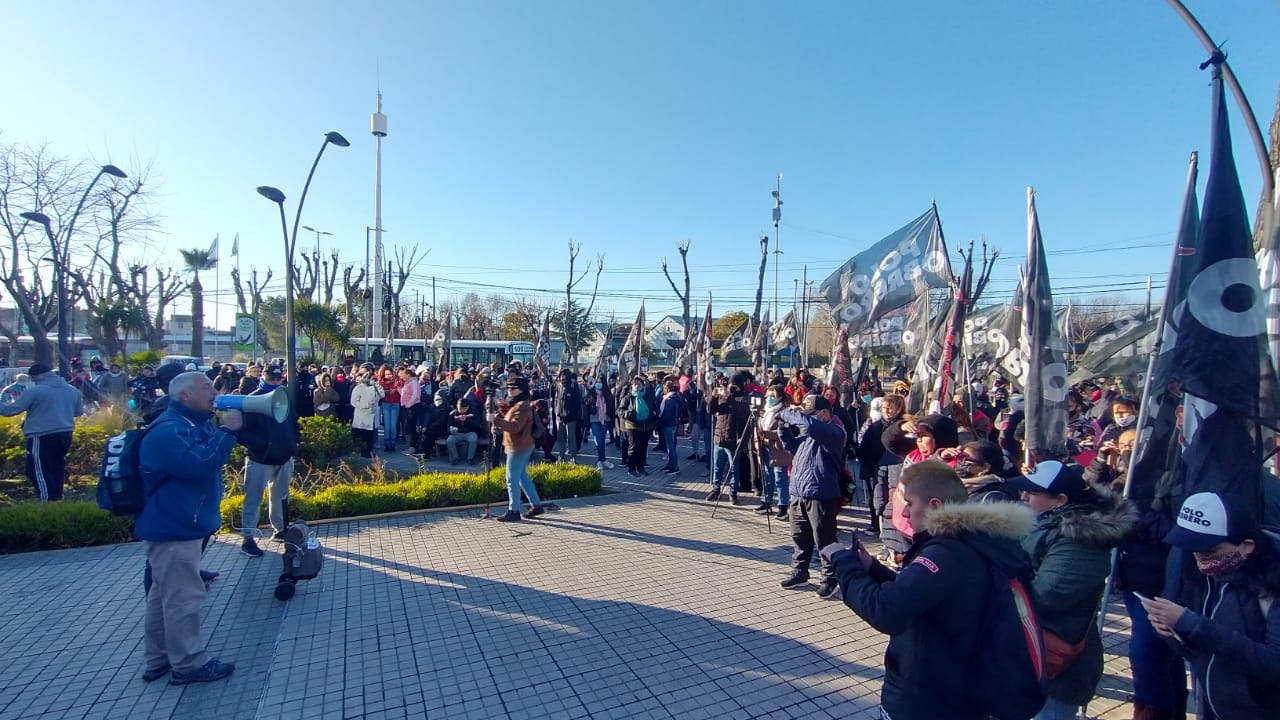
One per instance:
(782,516)
(713,496)
(763,509)
(472,462)
(671,471)
(644,472)
(213,670)
(733,499)
(250,548)
(633,473)
(608,465)
(208,576)
(600,466)
(277,536)
(154,674)
(510,516)
(534,512)
(829,590)
(797,578)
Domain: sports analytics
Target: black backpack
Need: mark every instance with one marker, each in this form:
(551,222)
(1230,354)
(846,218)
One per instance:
(1010,679)
(120,490)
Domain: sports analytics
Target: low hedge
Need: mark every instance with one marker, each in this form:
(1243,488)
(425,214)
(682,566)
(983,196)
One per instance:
(31,526)
(424,491)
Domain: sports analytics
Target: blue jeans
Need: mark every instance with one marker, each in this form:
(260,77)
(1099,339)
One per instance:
(669,437)
(597,435)
(518,479)
(1159,676)
(390,424)
(722,459)
(775,478)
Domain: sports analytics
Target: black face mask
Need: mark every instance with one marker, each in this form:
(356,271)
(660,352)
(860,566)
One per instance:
(965,469)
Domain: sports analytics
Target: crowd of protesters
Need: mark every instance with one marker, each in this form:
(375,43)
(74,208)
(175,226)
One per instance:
(929,485)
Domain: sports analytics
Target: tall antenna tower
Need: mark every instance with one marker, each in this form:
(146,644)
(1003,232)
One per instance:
(377,126)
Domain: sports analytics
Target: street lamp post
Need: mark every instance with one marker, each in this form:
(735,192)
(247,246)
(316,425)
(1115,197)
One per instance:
(290,243)
(61,253)
(318,233)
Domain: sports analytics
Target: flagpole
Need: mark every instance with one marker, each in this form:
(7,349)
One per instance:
(1250,120)
(1144,400)
(217,291)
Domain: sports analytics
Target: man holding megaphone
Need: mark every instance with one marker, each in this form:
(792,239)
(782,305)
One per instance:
(269,437)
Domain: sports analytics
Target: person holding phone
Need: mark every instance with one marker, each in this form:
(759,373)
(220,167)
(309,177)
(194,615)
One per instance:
(1226,621)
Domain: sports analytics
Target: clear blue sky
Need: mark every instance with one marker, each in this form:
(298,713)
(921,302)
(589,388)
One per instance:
(629,127)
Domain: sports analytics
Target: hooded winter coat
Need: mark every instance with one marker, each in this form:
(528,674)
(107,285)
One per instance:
(1070,549)
(929,610)
(990,488)
(1231,643)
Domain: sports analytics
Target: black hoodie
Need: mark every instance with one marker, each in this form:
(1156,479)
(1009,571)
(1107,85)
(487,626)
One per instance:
(931,609)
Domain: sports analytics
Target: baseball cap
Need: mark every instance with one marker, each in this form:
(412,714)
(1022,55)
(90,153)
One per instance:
(814,403)
(1053,478)
(275,372)
(39,369)
(1208,519)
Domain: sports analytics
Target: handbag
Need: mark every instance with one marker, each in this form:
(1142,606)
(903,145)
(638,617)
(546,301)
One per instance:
(1060,654)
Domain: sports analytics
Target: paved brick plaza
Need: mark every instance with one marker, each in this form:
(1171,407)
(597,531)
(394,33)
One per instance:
(633,604)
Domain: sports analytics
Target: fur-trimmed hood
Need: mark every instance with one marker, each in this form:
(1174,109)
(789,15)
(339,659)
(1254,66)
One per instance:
(1105,524)
(1010,521)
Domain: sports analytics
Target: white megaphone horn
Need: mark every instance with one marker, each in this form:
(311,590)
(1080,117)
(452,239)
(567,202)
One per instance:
(274,403)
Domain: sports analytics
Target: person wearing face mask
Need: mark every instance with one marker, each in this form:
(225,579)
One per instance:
(1124,415)
(365,399)
(114,385)
(1226,621)
(600,406)
(1070,549)
(638,413)
(774,457)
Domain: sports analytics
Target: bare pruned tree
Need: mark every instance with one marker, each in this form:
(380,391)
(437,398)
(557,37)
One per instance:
(764,260)
(570,329)
(255,292)
(329,277)
(683,249)
(407,261)
(356,294)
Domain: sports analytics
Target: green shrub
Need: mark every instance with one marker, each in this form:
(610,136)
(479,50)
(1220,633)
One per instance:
(54,525)
(323,440)
(424,491)
(135,362)
(87,442)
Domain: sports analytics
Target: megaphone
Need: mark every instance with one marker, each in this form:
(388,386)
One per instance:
(274,403)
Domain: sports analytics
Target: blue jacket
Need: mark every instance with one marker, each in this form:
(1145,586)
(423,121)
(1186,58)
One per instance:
(182,458)
(817,449)
(670,410)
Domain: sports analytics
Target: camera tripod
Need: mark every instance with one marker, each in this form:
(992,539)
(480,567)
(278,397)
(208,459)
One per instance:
(752,422)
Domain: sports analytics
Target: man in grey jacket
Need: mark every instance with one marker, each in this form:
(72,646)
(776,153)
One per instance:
(52,407)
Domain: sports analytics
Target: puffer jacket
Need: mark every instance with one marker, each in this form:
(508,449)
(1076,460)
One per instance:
(817,451)
(1231,644)
(1070,549)
(930,609)
(181,461)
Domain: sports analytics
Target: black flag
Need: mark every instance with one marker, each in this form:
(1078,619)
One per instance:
(1219,354)
(1043,351)
(1156,452)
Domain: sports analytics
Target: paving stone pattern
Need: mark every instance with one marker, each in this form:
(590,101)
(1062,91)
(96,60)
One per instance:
(633,604)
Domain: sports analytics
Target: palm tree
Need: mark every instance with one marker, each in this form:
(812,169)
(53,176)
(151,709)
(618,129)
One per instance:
(194,261)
